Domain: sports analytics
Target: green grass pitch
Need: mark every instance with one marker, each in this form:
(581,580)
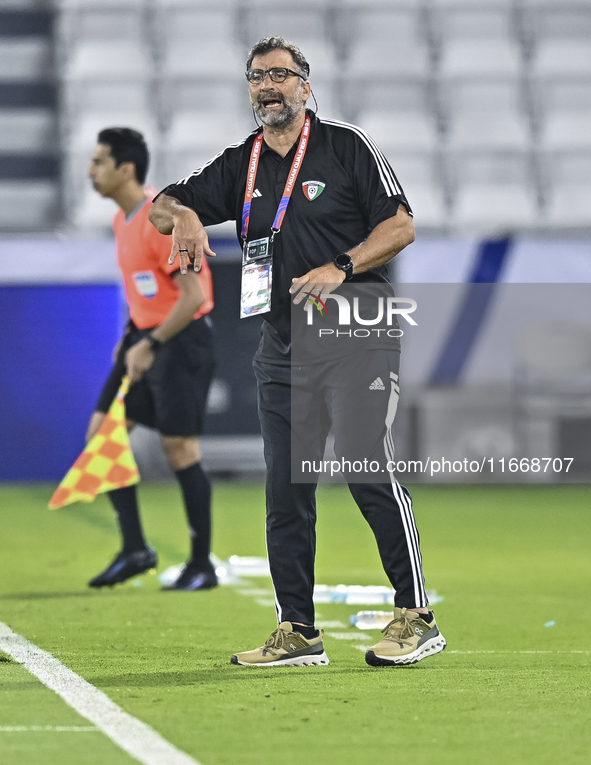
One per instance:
(508,690)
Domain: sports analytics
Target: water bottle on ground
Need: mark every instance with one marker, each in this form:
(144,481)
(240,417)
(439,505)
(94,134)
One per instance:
(371,620)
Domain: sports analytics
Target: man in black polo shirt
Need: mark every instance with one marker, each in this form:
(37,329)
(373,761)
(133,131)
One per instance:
(297,241)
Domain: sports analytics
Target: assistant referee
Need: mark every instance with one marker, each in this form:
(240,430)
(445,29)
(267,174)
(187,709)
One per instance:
(343,219)
(167,352)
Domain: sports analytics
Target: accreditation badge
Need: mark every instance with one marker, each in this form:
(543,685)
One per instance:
(257,277)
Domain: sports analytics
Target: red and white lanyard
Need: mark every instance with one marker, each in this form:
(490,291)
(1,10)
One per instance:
(253,165)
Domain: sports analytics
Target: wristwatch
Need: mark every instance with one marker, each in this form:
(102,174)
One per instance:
(155,344)
(344,263)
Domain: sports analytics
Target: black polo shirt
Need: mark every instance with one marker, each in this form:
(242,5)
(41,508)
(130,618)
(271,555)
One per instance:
(360,191)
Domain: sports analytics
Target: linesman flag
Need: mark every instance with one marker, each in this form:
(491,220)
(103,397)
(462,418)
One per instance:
(107,463)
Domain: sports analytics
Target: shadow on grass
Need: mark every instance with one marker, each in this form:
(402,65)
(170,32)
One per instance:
(63,594)
(26,685)
(220,673)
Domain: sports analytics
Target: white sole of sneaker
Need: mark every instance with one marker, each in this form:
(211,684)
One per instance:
(429,648)
(317,660)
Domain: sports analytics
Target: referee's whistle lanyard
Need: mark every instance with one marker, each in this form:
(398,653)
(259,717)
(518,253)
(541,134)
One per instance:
(257,255)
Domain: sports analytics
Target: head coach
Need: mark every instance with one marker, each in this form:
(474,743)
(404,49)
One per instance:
(297,240)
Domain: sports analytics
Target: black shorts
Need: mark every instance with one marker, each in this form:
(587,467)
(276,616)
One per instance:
(172,394)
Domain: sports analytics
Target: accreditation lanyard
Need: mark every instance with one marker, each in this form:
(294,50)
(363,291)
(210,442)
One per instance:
(257,255)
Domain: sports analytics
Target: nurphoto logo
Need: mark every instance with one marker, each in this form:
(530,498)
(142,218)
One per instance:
(384,309)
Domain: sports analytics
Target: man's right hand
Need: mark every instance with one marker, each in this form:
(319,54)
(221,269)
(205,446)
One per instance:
(189,240)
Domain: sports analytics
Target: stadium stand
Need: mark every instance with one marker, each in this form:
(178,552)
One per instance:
(29,156)
(448,88)
(553,398)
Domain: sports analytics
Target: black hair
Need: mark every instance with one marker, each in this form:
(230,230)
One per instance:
(267,44)
(127,145)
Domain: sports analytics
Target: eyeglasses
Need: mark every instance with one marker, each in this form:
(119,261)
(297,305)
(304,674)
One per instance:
(277,74)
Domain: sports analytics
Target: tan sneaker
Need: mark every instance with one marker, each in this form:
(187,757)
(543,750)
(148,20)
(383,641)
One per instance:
(407,639)
(285,648)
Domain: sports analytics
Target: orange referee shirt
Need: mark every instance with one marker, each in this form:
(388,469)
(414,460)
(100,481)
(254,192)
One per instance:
(142,257)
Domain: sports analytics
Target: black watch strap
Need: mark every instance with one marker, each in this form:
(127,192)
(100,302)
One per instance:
(344,263)
(155,344)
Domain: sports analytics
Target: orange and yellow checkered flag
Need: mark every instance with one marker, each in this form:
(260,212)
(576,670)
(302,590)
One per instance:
(107,463)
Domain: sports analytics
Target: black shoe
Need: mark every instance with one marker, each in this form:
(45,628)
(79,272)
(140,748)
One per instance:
(193,578)
(125,565)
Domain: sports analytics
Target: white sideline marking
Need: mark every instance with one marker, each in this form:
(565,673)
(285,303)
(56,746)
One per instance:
(133,736)
(43,728)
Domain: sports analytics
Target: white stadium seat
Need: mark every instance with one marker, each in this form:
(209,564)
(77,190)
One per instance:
(196,4)
(192,129)
(180,164)
(494,193)
(401,130)
(375,62)
(491,208)
(477,41)
(86,126)
(93,211)
(562,57)
(107,95)
(562,35)
(385,43)
(192,26)
(493,57)
(471,5)
(194,138)
(569,194)
(570,206)
(220,59)
(27,130)
(101,59)
(104,5)
(296,22)
(27,205)
(567,130)
(117,23)
(215,95)
(486,115)
(564,113)
(24,58)
(420,176)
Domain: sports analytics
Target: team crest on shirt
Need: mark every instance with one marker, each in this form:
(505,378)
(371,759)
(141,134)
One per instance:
(313,189)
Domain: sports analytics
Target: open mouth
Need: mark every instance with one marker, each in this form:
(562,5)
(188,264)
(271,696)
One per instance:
(271,102)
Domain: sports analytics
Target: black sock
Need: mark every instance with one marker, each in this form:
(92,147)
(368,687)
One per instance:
(125,503)
(427,617)
(307,632)
(197,496)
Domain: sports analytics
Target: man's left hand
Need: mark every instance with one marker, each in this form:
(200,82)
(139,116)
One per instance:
(138,359)
(324,279)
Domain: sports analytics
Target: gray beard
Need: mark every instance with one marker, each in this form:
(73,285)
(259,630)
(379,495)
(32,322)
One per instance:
(291,110)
